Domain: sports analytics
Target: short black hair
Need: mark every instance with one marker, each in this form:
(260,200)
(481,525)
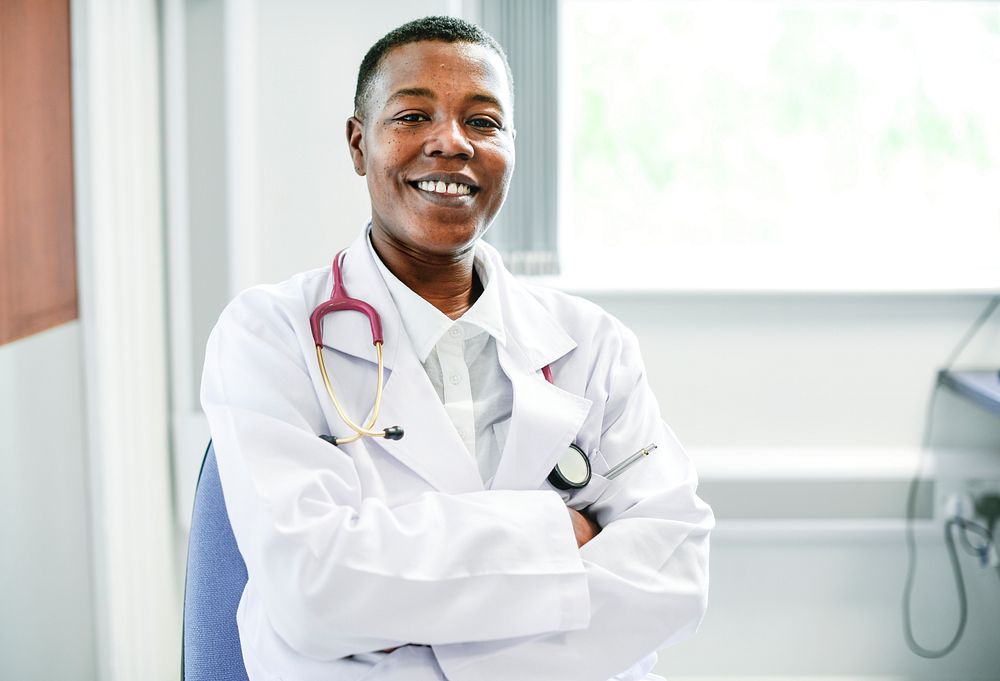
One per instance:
(438,28)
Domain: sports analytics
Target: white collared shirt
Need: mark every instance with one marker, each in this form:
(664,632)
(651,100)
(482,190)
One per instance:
(461,361)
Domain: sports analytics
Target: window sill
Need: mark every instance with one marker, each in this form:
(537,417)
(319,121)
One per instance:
(846,464)
(588,287)
(731,271)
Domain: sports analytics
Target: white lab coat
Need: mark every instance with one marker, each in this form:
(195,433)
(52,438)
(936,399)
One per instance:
(379,543)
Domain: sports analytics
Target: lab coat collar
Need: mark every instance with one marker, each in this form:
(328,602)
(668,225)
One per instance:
(529,326)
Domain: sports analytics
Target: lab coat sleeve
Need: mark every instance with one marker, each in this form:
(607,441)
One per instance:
(340,573)
(647,569)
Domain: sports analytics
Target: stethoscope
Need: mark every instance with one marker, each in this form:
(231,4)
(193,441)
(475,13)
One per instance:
(340,301)
(572,471)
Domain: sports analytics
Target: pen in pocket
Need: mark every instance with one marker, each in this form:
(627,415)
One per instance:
(620,468)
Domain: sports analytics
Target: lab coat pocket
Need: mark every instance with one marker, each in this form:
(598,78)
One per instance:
(579,499)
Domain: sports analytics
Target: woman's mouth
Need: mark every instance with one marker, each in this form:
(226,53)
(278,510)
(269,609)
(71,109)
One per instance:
(445,188)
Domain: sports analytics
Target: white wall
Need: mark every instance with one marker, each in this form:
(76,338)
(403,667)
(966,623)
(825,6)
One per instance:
(46,630)
(828,606)
(819,376)
(805,371)
(758,377)
(308,56)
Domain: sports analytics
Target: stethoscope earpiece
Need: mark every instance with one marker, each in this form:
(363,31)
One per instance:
(393,433)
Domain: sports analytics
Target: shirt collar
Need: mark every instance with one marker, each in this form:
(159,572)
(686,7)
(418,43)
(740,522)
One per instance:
(425,324)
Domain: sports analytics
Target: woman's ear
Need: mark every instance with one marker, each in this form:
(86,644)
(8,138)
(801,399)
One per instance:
(356,143)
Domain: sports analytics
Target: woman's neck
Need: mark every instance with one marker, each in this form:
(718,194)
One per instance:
(449,283)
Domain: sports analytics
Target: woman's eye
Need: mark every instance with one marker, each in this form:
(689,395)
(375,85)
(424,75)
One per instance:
(484,123)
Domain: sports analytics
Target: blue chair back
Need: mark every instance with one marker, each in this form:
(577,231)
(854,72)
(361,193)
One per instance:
(216,575)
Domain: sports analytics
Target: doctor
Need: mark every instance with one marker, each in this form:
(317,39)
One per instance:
(446,554)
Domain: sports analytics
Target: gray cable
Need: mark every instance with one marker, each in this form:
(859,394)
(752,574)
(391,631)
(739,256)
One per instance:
(911,512)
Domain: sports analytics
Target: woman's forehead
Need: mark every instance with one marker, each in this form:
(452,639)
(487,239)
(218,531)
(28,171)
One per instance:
(438,69)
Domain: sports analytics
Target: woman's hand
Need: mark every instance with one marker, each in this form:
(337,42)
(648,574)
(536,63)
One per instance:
(584,528)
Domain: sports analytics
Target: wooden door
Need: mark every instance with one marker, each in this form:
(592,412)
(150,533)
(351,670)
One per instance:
(37,244)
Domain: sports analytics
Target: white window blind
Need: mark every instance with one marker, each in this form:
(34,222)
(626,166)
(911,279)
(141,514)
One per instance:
(526,230)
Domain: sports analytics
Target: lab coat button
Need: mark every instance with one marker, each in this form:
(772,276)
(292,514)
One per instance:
(455,331)
(455,379)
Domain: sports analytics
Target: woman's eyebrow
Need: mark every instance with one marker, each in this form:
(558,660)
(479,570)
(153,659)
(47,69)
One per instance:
(411,92)
(486,99)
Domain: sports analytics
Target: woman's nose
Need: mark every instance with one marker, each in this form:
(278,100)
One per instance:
(448,138)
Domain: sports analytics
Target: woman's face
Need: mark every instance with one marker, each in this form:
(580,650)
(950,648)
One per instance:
(436,145)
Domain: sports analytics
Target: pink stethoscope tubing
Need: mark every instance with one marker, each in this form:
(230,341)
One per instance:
(339,302)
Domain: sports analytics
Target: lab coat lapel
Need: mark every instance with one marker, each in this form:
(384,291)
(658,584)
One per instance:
(430,445)
(545,419)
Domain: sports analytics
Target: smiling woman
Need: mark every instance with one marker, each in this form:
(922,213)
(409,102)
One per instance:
(444,553)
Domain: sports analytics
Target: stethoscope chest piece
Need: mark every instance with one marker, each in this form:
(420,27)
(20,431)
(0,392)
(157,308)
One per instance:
(572,470)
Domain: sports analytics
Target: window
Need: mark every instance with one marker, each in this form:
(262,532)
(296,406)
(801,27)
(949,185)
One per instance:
(777,144)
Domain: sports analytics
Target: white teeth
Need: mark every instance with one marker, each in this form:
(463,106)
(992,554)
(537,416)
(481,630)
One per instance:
(440,187)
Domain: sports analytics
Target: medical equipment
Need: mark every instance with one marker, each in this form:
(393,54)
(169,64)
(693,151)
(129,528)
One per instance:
(340,301)
(573,469)
(982,550)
